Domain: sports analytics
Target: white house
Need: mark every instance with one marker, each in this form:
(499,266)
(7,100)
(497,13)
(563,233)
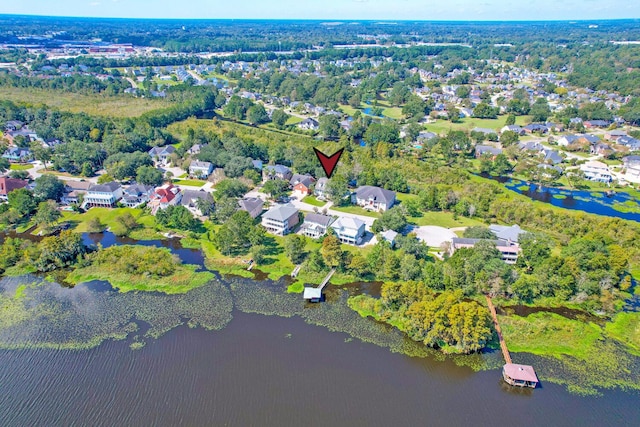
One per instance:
(103,195)
(320,190)
(309,124)
(349,230)
(280,219)
(374,198)
(161,154)
(200,169)
(596,171)
(315,225)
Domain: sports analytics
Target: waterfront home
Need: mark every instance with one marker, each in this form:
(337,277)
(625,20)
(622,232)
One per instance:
(7,185)
(136,195)
(488,150)
(253,205)
(301,185)
(316,225)
(374,198)
(103,195)
(509,250)
(280,219)
(276,172)
(192,200)
(162,154)
(349,230)
(74,191)
(507,233)
(552,157)
(320,189)
(596,171)
(200,169)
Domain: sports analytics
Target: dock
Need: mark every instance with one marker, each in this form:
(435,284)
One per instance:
(512,373)
(315,294)
(296,270)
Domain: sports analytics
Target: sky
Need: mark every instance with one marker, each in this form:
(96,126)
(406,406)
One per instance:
(463,10)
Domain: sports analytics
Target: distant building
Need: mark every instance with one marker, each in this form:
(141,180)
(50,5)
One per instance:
(482,150)
(309,124)
(596,171)
(281,219)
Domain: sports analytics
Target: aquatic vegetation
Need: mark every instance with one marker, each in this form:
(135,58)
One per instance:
(625,327)
(47,315)
(141,268)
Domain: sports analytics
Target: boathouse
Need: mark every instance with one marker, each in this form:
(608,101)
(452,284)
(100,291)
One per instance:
(520,375)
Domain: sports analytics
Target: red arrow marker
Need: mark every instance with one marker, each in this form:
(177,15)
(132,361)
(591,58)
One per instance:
(328,162)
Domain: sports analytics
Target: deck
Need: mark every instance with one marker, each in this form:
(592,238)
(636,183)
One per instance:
(315,294)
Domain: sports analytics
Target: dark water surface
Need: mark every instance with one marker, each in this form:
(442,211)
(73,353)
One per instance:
(273,371)
(576,199)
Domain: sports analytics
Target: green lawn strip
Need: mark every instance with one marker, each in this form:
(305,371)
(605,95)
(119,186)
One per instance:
(20,167)
(293,120)
(313,201)
(625,328)
(549,334)
(108,217)
(444,219)
(190,182)
(356,210)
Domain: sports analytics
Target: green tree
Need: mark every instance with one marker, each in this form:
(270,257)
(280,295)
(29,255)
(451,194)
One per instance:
(294,248)
(329,126)
(392,219)
(511,120)
(540,110)
(48,187)
(256,114)
(331,251)
(149,175)
(508,138)
(478,232)
(279,118)
(46,215)
(127,223)
(95,225)
(22,202)
(275,188)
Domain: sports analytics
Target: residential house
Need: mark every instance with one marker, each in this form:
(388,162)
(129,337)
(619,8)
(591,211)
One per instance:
(103,195)
(253,205)
(630,142)
(301,185)
(309,124)
(136,195)
(596,171)
(552,157)
(513,128)
(13,125)
(192,199)
(509,250)
(481,150)
(534,146)
(17,154)
(165,196)
(614,134)
(195,149)
(320,190)
(536,127)
(162,154)
(507,233)
(281,219)
(374,198)
(389,236)
(7,185)
(632,165)
(316,225)
(276,172)
(200,169)
(74,191)
(590,124)
(349,230)
(257,164)
(601,149)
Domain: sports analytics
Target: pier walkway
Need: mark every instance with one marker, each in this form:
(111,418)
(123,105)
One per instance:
(496,325)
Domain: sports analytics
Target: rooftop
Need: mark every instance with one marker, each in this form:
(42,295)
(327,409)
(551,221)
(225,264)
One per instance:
(520,372)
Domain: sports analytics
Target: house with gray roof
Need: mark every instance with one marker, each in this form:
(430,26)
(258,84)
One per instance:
(192,199)
(137,194)
(374,198)
(482,150)
(103,195)
(316,225)
(200,169)
(276,172)
(320,190)
(553,157)
(507,233)
(280,219)
(349,230)
(161,154)
(253,205)
(509,251)
(389,236)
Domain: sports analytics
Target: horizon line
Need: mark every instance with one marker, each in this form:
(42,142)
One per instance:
(329,20)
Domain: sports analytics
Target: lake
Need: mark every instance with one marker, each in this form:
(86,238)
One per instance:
(251,355)
(585,201)
(274,371)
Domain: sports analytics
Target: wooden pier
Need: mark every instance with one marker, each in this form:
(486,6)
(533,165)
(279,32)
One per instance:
(315,294)
(296,270)
(513,374)
(496,325)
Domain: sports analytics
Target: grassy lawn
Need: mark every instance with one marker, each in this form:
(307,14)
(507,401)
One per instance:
(348,109)
(356,210)
(20,167)
(626,329)
(190,182)
(444,219)
(392,112)
(94,105)
(313,201)
(108,218)
(549,334)
(293,120)
(468,123)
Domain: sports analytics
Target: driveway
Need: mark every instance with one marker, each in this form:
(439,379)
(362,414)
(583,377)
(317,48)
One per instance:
(434,235)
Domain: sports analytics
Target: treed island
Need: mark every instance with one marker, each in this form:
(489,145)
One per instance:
(503,163)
